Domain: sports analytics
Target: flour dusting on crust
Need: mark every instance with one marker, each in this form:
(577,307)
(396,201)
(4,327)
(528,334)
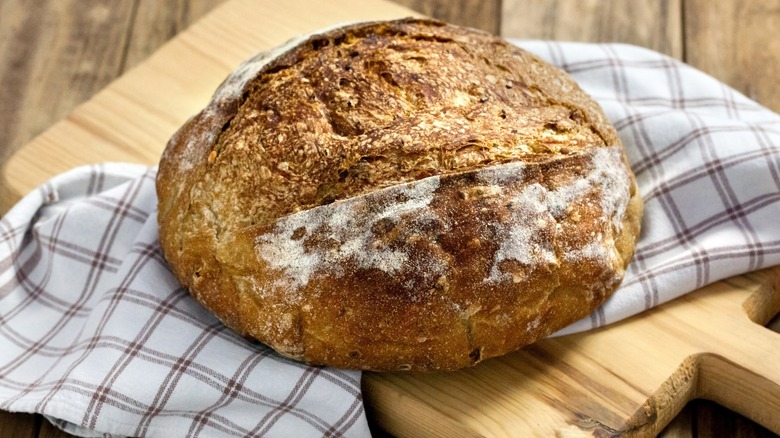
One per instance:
(608,174)
(524,239)
(329,237)
(348,227)
(536,208)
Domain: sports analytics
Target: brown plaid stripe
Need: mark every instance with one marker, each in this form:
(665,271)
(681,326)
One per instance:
(95,332)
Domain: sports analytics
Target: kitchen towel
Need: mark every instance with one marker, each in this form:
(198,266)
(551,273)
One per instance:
(96,334)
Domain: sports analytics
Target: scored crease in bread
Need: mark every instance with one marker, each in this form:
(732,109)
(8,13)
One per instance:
(402,195)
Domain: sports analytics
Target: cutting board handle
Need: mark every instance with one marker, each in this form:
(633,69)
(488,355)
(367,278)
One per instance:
(738,367)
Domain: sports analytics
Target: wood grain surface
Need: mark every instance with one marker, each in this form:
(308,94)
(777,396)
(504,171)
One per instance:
(58,53)
(55,55)
(482,14)
(655,24)
(737,42)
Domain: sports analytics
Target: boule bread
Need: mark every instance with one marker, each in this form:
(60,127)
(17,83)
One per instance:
(402,195)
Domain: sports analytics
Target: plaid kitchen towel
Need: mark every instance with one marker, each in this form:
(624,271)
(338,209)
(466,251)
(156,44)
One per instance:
(96,334)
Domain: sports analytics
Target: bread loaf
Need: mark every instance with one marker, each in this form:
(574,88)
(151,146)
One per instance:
(402,195)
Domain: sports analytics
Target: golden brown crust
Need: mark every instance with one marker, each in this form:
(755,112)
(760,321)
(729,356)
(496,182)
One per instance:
(398,195)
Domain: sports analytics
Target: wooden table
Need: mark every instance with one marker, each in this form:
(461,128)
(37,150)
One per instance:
(58,53)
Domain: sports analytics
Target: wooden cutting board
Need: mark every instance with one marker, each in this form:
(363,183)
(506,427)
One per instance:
(631,377)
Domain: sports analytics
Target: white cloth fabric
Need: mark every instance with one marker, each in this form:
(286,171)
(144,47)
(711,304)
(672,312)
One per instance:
(96,334)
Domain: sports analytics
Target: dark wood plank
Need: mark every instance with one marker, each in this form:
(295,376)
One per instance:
(713,420)
(655,24)
(56,54)
(706,419)
(774,324)
(480,14)
(737,42)
(18,425)
(48,430)
(682,426)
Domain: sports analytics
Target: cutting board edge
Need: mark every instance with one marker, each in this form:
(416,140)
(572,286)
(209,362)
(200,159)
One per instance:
(682,385)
